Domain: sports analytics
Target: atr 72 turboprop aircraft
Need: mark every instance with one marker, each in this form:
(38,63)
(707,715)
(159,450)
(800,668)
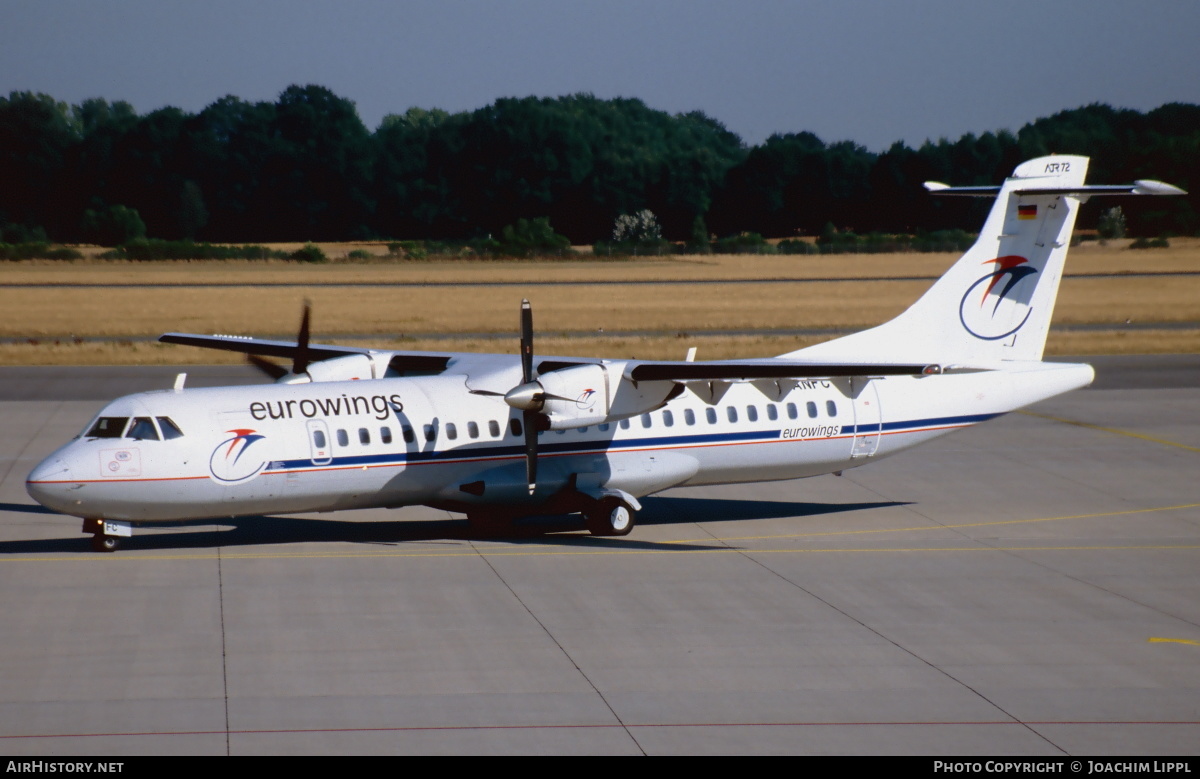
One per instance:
(497,437)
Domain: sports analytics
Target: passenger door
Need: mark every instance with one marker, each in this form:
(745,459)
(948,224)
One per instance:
(320,446)
(868,418)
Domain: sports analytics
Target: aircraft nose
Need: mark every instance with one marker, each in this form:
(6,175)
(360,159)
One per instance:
(49,482)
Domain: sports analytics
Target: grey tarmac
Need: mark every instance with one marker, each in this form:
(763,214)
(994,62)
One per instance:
(1030,586)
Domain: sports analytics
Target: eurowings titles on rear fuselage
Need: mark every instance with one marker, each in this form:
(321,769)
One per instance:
(499,436)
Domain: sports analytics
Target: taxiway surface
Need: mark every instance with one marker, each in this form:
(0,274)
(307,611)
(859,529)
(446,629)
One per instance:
(1029,586)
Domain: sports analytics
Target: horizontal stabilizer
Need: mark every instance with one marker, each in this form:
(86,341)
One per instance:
(1139,187)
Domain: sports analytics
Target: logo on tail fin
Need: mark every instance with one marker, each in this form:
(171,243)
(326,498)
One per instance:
(991,310)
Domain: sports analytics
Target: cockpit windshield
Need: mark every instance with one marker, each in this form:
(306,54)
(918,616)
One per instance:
(139,429)
(169,429)
(108,427)
(143,429)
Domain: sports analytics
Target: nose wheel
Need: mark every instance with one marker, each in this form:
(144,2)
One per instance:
(610,517)
(103,543)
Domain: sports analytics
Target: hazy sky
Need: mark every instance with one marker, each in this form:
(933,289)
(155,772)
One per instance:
(872,71)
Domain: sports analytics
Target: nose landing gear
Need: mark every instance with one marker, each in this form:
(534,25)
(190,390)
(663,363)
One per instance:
(107,533)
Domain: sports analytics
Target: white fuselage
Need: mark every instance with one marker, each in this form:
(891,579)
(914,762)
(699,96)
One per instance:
(426,440)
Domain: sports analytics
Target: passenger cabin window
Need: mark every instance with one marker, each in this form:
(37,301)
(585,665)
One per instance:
(430,432)
(689,416)
(108,427)
(711,415)
(142,429)
(772,412)
(407,432)
(752,413)
(493,428)
(451,431)
(831,408)
(645,420)
(364,436)
(515,426)
(668,419)
(731,412)
(472,430)
(169,429)
(319,439)
(812,409)
(343,438)
(792,412)
(624,424)
(385,435)
(603,427)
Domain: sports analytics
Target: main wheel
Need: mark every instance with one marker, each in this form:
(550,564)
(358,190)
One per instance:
(610,517)
(103,543)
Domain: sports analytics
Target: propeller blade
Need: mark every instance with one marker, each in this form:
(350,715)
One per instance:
(267,367)
(488,393)
(300,364)
(526,342)
(531,439)
(529,401)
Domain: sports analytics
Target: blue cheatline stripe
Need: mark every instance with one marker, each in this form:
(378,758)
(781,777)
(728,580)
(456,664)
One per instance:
(969,419)
(602,446)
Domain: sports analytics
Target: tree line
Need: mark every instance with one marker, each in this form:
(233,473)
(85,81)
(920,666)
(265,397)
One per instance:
(305,167)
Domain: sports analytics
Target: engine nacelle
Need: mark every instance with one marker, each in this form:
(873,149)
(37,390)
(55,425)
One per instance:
(592,394)
(585,392)
(348,368)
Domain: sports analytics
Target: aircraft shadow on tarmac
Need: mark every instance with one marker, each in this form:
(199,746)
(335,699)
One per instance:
(563,530)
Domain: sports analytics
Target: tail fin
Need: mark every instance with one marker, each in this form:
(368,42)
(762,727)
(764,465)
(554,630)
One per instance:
(995,303)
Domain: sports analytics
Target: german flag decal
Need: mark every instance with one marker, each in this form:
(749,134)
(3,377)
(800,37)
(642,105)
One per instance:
(1027,212)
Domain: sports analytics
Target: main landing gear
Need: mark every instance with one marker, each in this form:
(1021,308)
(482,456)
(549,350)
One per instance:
(610,517)
(107,534)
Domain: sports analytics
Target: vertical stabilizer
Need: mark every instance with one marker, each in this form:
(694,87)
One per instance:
(995,303)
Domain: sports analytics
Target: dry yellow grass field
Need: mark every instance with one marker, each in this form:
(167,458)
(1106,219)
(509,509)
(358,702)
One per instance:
(1090,257)
(575,317)
(586,309)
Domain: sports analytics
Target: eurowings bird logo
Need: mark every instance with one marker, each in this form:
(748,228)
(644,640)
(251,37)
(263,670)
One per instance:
(586,399)
(228,463)
(997,305)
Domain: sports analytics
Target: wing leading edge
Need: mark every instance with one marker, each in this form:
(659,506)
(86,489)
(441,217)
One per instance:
(399,362)
(768,369)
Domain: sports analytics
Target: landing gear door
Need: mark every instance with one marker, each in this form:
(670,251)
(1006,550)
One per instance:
(867,418)
(319,444)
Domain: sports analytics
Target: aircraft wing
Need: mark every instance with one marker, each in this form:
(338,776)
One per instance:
(259,346)
(727,370)
(400,362)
